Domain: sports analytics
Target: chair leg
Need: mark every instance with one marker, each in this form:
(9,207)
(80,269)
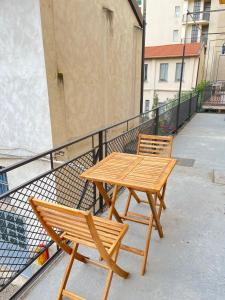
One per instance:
(67,272)
(131,193)
(161,200)
(163,195)
(134,194)
(110,275)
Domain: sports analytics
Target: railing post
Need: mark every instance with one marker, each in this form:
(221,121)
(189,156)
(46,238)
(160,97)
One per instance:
(100,143)
(157,121)
(190,102)
(178,114)
(51,161)
(198,102)
(100,157)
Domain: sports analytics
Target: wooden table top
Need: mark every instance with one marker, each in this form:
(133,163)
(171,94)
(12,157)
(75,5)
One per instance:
(141,173)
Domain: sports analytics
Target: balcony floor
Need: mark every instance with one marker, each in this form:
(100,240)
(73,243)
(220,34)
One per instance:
(189,262)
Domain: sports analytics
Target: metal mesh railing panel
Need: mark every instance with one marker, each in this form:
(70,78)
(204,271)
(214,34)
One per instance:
(167,121)
(184,112)
(127,142)
(21,233)
(194,104)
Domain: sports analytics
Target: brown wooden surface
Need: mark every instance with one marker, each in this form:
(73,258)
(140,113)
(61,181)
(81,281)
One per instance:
(140,173)
(81,228)
(155,145)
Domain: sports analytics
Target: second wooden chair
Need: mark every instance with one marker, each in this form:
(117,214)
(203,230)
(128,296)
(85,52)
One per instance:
(151,145)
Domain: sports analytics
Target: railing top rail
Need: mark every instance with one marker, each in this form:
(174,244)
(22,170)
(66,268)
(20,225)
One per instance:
(74,141)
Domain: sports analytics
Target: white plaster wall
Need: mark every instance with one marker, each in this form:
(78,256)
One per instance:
(24,107)
(161,21)
(27,172)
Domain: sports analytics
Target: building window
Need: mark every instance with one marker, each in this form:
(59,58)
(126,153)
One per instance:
(147,105)
(175,35)
(178,72)
(3,182)
(146,72)
(194,34)
(177,11)
(163,74)
(197,9)
(139,2)
(207,8)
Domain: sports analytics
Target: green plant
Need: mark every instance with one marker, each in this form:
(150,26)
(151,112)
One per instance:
(201,86)
(155,100)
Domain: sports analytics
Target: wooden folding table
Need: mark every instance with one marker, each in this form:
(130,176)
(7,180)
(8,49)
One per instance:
(137,173)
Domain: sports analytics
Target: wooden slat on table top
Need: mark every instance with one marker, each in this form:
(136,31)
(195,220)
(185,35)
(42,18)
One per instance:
(139,172)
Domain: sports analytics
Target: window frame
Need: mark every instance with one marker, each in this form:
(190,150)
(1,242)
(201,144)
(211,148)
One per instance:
(176,78)
(145,72)
(177,31)
(148,101)
(194,34)
(177,12)
(166,72)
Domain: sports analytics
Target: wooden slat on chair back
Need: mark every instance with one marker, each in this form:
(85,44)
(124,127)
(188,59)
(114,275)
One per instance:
(57,218)
(155,145)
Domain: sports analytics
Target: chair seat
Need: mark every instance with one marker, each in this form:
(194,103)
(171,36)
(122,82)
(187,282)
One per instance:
(108,231)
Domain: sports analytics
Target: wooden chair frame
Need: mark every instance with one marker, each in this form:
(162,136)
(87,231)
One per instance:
(81,227)
(151,145)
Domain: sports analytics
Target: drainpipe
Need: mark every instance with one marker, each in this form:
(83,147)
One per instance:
(143,57)
(196,83)
(182,71)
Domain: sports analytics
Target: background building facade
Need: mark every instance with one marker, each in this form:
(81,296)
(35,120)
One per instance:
(166,25)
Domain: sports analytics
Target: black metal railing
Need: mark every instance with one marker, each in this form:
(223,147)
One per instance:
(213,95)
(197,16)
(20,232)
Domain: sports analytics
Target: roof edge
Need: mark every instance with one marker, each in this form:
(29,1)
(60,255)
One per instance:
(137,11)
(172,56)
(170,53)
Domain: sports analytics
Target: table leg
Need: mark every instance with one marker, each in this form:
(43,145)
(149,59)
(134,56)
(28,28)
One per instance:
(147,243)
(108,201)
(113,201)
(154,212)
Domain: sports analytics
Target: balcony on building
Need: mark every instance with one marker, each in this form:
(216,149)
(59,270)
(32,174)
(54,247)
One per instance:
(199,18)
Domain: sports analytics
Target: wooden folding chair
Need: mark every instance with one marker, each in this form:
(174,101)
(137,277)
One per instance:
(152,145)
(81,228)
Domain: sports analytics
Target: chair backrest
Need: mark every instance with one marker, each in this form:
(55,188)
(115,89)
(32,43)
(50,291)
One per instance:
(155,145)
(62,223)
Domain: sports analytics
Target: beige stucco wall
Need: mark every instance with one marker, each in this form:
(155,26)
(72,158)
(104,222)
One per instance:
(97,50)
(167,90)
